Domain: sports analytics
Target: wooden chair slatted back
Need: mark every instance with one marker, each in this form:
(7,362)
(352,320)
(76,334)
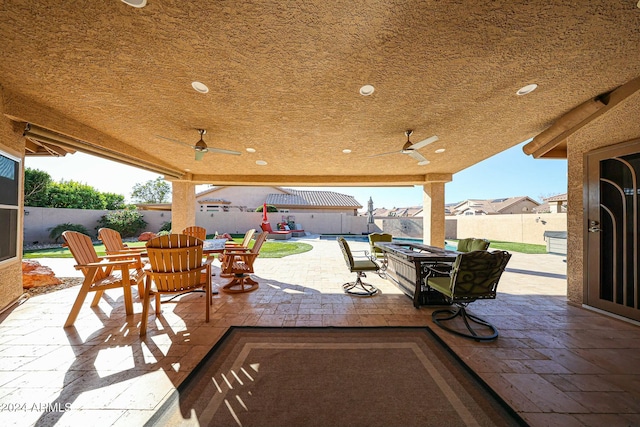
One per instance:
(247,238)
(258,243)
(112,240)
(83,252)
(176,261)
(196,231)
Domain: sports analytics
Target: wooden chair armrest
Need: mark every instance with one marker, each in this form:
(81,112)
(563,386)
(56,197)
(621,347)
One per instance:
(131,258)
(106,264)
(238,249)
(129,251)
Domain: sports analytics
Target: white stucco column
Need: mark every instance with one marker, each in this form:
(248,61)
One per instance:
(433,214)
(183,205)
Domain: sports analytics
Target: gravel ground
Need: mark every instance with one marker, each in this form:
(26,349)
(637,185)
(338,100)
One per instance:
(67,282)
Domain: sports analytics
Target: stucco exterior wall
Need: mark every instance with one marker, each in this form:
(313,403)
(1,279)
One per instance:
(11,142)
(621,125)
(251,197)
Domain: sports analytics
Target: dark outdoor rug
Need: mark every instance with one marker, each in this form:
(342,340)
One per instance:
(282,377)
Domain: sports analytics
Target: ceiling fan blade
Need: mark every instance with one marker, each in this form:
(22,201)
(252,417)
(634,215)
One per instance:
(223,151)
(200,155)
(419,157)
(385,154)
(424,142)
(175,140)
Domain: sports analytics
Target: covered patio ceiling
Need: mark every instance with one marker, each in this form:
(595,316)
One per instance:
(284,80)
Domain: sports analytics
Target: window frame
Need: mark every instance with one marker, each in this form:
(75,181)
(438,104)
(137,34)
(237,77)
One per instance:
(11,207)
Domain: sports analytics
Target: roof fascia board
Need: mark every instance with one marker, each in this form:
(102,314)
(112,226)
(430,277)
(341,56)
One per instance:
(577,118)
(323,181)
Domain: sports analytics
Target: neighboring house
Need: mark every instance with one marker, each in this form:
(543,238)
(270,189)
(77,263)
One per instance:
(553,204)
(508,205)
(380,212)
(449,208)
(248,198)
(398,212)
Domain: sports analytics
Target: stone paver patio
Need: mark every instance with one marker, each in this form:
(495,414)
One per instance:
(554,363)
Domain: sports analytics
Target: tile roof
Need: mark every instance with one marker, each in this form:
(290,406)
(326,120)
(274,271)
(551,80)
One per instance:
(312,198)
(557,198)
(492,206)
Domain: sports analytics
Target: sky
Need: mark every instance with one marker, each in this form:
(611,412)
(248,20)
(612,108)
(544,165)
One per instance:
(507,174)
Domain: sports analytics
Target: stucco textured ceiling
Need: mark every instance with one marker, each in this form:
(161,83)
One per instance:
(284,79)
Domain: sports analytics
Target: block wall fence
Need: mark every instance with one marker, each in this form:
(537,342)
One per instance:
(521,228)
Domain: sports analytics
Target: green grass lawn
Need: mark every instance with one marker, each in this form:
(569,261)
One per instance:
(268,250)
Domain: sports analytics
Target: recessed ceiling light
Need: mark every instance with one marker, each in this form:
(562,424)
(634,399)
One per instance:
(527,89)
(135,3)
(200,87)
(187,170)
(366,90)
(261,162)
(251,150)
(424,162)
(346,151)
(440,150)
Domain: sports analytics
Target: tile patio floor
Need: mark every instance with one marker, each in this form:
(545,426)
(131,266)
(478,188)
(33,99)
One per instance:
(555,364)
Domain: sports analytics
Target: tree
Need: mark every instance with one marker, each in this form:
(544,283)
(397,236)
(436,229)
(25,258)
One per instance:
(153,191)
(74,195)
(41,191)
(36,187)
(113,201)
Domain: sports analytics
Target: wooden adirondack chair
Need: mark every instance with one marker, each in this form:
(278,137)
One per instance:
(101,273)
(113,243)
(239,264)
(245,241)
(195,231)
(176,266)
(244,246)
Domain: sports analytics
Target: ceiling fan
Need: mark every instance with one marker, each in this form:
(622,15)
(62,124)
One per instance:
(410,148)
(201,147)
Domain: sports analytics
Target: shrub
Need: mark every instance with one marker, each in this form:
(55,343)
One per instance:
(55,233)
(270,208)
(164,233)
(166,226)
(128,222)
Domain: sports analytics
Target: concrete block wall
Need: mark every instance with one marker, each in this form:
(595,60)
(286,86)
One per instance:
(524,228)
(39,221)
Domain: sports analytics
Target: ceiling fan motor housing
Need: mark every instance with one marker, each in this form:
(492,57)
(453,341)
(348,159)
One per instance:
(200,146)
